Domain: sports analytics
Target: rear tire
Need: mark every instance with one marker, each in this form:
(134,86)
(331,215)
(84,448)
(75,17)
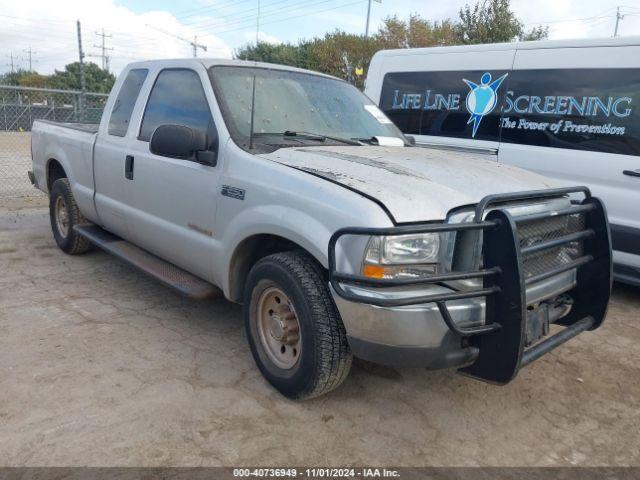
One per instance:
(295,332)
(64,214)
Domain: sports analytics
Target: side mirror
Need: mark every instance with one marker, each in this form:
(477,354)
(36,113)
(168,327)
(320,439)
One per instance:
(179,141)
(411,139)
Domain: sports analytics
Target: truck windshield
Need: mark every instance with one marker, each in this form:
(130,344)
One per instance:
(294,108)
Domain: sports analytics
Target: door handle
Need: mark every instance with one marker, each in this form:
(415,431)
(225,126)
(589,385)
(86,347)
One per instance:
(632,173)
(128,167)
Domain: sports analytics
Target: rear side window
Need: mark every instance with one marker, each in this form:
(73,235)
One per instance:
(127,96)
(460,104)
(581,109)
(177,98)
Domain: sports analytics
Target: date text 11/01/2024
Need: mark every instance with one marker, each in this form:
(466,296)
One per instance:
(316,472)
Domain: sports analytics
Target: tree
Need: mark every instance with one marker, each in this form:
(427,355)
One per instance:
(339,53)
(96,79)
(283,53)
(33,79)
(416,32)
(13,78)
(492,21)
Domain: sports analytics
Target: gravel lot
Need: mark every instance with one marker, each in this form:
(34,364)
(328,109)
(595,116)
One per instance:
(100,365)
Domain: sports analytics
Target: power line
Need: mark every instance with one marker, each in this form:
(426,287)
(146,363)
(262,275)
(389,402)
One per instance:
(602,14)
(242,14)
(199,11)
(250,19)
(296,16)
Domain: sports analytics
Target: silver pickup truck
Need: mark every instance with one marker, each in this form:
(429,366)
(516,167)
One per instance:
(290,192)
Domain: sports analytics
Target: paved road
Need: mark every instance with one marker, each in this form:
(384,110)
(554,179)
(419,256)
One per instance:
(101,366)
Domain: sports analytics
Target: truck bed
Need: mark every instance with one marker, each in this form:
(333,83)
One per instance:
(83,127)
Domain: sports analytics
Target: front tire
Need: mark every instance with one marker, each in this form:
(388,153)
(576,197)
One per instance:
(64,215)
(295,332)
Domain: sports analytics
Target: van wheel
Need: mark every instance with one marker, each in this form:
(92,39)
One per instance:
(294,329)
(64,214)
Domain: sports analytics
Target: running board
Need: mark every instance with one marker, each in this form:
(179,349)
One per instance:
(167,273)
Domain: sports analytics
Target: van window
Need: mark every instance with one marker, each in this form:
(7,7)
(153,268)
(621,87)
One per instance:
(123,107)
(461,104)
(581,109)
(177,97)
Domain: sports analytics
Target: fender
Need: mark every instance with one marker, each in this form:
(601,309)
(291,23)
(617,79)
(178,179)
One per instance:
(276,220)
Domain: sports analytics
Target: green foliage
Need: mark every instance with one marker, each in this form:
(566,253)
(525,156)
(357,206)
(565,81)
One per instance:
(339,53)
(492,21)
(416,32)
(283,53)
(97,79)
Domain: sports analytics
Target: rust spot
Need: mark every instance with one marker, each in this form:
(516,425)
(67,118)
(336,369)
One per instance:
(199,229)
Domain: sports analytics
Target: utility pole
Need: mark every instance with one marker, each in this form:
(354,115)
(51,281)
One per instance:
(83,84)
(258,24)
(366,31)
(11,62)
(30,58)
(618,18)
(104,48)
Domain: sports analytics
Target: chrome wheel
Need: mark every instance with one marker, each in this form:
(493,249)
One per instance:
(62,217)
(278,328)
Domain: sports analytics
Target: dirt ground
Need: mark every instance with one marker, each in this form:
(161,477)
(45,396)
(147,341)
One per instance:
(99,365)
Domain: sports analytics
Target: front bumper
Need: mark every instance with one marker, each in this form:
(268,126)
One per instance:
(408,336)
(430,329)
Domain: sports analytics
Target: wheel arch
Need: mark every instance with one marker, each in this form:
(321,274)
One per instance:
(54,170)
(251,250)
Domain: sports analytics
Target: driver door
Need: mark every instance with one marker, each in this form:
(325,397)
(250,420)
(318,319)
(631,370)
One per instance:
(173,201)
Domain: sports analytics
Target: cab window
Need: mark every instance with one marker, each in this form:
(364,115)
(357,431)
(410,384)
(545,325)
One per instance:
(177,98)
(127,96)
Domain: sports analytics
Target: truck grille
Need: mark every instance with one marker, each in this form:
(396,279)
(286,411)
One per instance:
(537,231)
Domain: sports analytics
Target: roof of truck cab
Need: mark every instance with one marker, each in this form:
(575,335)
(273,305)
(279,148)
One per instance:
(534,45)
(211,62)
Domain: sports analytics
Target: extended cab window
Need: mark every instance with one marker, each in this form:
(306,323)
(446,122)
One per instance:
(176,98)
(583,109)
(121,113)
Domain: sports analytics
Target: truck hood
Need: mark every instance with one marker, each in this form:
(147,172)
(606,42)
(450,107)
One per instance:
(414,184)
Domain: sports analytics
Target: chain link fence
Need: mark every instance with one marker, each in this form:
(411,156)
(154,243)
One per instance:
(19,107)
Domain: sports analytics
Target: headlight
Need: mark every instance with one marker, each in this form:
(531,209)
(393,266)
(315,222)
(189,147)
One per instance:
(398,256)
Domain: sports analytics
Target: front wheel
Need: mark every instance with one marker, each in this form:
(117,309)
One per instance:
(64,214)
(294,329)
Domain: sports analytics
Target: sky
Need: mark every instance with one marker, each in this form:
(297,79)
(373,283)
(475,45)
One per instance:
(147,29)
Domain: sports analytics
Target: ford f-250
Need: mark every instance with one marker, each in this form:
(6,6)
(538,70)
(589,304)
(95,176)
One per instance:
(292,193)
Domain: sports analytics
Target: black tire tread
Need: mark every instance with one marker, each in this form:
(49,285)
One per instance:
(78,244)
(333,355)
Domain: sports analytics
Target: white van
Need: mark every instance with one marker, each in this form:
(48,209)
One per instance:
(569,110)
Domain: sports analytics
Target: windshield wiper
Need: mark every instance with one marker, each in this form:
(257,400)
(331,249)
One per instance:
(319,137)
